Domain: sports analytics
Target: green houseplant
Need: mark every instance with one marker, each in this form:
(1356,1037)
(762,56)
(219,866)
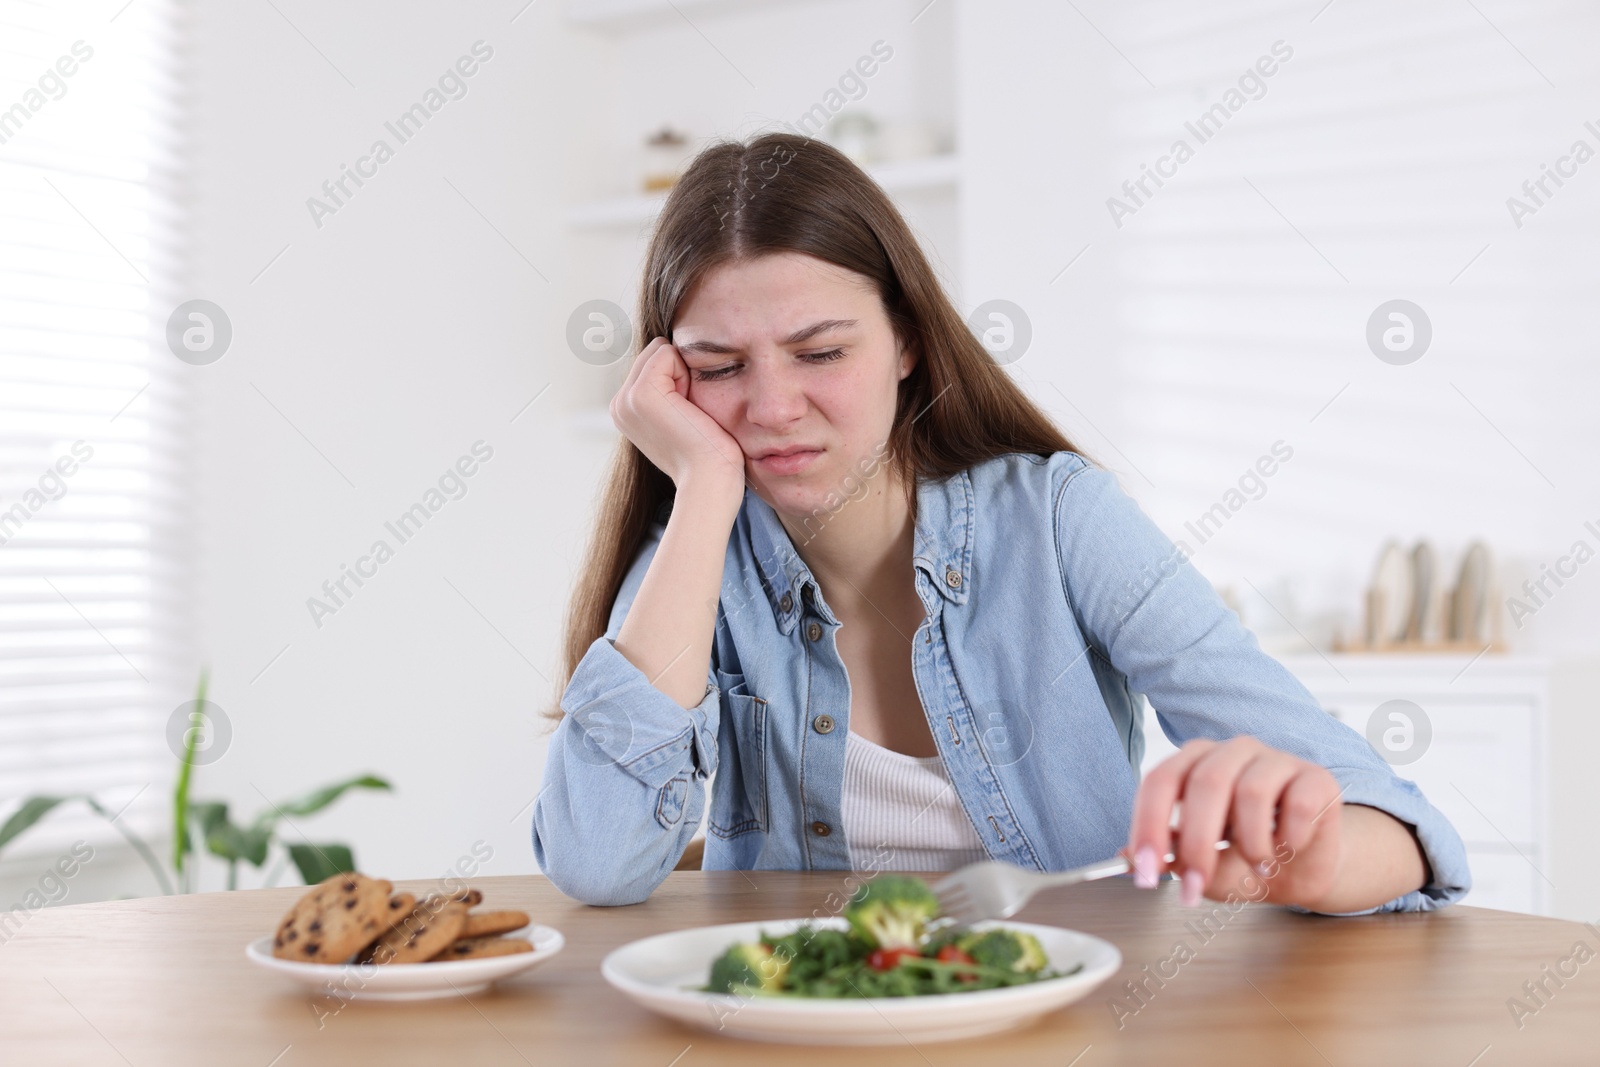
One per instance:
(251,843)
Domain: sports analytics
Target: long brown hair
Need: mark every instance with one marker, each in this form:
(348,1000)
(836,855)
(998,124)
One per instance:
(783,192)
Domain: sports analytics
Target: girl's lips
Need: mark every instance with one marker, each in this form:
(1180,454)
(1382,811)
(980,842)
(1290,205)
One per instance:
(793,463)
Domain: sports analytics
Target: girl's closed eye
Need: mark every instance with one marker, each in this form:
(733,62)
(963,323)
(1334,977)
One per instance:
(813,357)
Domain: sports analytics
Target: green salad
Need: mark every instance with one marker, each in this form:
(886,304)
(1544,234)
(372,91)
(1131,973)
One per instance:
(887,952)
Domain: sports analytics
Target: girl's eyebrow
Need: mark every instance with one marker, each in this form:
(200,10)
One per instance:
(800,336)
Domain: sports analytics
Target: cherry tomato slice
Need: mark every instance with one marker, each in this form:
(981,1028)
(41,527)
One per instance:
(951,954)
(883,959)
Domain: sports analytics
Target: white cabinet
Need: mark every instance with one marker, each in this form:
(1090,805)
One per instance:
(1482,757)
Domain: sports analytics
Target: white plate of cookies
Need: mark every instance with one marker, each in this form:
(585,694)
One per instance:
(353,937)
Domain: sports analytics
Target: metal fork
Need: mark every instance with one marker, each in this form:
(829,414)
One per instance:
(990,889)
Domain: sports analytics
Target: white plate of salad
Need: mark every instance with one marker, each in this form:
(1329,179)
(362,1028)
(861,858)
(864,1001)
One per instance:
(883,972)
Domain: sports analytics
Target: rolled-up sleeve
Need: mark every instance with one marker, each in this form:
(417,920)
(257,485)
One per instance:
(1158,620)
(624,779)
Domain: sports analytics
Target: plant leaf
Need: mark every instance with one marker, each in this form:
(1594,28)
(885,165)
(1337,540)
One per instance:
(321,798)
(209,813)
(181,846)
(136,841)
(253,843)
(318,863)
(33,809)
(212,816)
(230,842)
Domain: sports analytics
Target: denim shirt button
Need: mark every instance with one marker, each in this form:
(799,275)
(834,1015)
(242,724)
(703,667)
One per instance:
(786,604)
(814,631)
(952,578)
(821,829)
(823,724)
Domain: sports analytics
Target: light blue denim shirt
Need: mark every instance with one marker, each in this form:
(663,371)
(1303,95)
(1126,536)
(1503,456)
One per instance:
(1052,604)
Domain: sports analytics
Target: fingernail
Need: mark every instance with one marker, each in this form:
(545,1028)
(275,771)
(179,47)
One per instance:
(1193,882)
(1144,867)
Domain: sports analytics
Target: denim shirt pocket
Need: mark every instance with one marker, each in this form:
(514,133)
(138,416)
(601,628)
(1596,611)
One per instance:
(670,801)
(739,794)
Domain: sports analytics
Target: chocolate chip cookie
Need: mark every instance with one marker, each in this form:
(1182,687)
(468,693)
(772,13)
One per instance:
(490,923)
(337,917)
(477,948)
(469,896)
(431,926)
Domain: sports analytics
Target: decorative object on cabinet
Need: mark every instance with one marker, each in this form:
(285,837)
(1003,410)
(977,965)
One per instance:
(1470,606)
(1389,613)
(1407,610)
(666,153)
(906,139)
(855,133)
(1424,600)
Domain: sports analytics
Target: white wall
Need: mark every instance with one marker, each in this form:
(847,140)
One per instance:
(395,336)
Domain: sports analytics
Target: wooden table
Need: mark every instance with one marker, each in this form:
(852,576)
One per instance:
(163,981)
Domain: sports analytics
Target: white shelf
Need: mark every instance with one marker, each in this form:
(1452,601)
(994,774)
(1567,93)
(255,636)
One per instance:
(933,172)
(629,16)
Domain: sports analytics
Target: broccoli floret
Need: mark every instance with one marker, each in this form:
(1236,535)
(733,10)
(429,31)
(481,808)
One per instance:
(891,910)
(749,967)
(812,952)
(1009,949)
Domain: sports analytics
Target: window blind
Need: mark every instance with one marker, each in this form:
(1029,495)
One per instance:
(92,551)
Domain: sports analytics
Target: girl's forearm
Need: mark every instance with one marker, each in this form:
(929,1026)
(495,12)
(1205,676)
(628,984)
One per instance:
(670,624)
(1380,859)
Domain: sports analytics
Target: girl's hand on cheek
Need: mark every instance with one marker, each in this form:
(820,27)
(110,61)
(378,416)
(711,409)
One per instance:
(1280,815)
(653,410)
